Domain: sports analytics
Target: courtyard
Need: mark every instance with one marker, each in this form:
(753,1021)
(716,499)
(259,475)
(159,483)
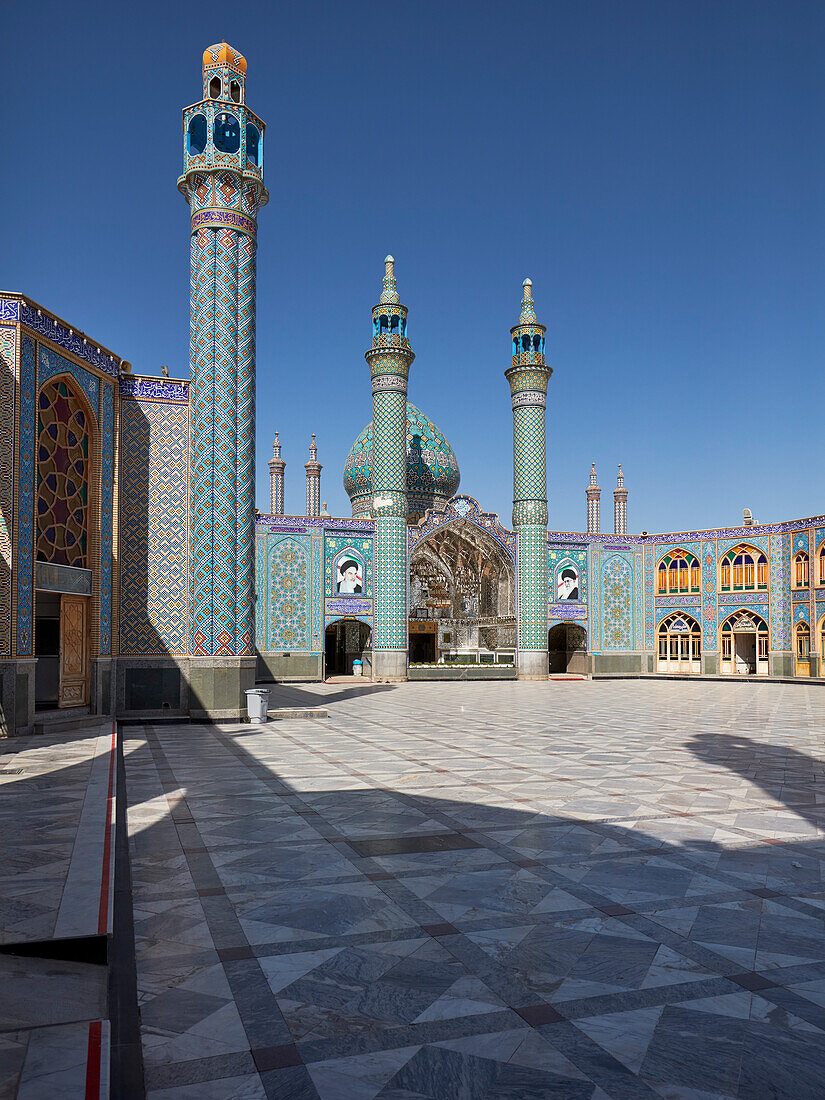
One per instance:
(574,889)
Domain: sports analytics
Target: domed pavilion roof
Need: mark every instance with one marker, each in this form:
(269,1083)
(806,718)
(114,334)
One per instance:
(433,476)
(224,55)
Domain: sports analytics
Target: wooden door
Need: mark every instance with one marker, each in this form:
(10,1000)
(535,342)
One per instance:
(74,652)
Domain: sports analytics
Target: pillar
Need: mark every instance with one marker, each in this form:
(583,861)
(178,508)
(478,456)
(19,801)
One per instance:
(593,494)
(276,480)
(528,377)
(389,359)
(313,469)
(223,184)
(620,506)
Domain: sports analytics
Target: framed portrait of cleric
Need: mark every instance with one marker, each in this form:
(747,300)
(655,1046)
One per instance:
(567,582)
(348,573)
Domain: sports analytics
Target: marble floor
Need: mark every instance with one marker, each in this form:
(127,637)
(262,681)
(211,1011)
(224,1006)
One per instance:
(56,877)
(461,891)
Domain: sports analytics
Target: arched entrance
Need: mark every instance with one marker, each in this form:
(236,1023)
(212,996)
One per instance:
(744,645)
(462,598)
(567,648)
(802,649)
(680,644)
(66,470)
(344,642)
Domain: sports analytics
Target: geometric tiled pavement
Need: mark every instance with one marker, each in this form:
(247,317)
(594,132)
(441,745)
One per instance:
(566,889)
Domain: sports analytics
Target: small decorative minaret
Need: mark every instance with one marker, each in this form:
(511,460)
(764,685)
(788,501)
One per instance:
(620,506)
(313,469)
(389,359)
(276,480)
(223,184)
(528,377)
(593,493)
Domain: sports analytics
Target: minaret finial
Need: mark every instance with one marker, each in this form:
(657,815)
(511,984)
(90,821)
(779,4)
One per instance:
(390,292)
(528,311)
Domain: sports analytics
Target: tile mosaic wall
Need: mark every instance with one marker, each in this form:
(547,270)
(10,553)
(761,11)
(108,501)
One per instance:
(24,634)
(154,445)
(617,602)
(8,377)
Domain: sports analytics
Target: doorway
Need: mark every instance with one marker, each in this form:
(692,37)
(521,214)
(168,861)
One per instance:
(61,645)
(802,649)
(567,648)
(423,644)
(344,642)
(745,645)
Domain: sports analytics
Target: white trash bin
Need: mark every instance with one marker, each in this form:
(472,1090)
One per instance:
(257,705)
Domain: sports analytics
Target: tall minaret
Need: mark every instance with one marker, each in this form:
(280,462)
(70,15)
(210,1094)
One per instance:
(223,183)
(528,377)
(620,506)
(313,469)
(593,493)
(276,480)
(389,359)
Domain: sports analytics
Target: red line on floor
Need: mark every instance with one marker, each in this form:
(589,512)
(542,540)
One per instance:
(93,1061)
(103,911)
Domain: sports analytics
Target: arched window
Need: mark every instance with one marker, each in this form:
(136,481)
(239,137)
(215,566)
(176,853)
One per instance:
(744,569)
(800,570)
(822,637)
(227,133)
(678,571)
(821,578)
(63,457)
(253,145)
(196,134)
(215,88)
(680,644)
(235,91)
(744,650)
(803,640)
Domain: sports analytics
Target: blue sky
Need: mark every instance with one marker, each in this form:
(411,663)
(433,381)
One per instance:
(657,169)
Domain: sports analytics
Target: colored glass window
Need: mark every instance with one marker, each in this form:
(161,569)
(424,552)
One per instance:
(800,570)
(743,568)
(678,571)
(62,477)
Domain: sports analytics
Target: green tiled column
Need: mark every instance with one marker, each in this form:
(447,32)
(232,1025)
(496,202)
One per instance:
(389,361)
(528,377)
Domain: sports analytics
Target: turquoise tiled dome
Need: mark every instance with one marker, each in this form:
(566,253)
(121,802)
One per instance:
(432,470)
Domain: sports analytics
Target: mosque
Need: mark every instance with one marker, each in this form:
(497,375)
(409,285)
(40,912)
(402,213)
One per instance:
(136,577)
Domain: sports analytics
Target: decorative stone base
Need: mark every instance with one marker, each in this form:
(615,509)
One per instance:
(781,664)
(389,665)
(217,687)
(17,697)
(533,664)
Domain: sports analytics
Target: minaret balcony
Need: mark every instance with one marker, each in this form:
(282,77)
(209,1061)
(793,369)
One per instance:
(529,359)
(390,340)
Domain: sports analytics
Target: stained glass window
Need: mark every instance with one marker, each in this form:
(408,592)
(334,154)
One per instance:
(62,476)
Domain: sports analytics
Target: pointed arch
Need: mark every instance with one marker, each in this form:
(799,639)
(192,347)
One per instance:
(678,571)
(463,582)
(744,568)
(66,459)
(744,644)
(288,611)
(801,570)
(679,644)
